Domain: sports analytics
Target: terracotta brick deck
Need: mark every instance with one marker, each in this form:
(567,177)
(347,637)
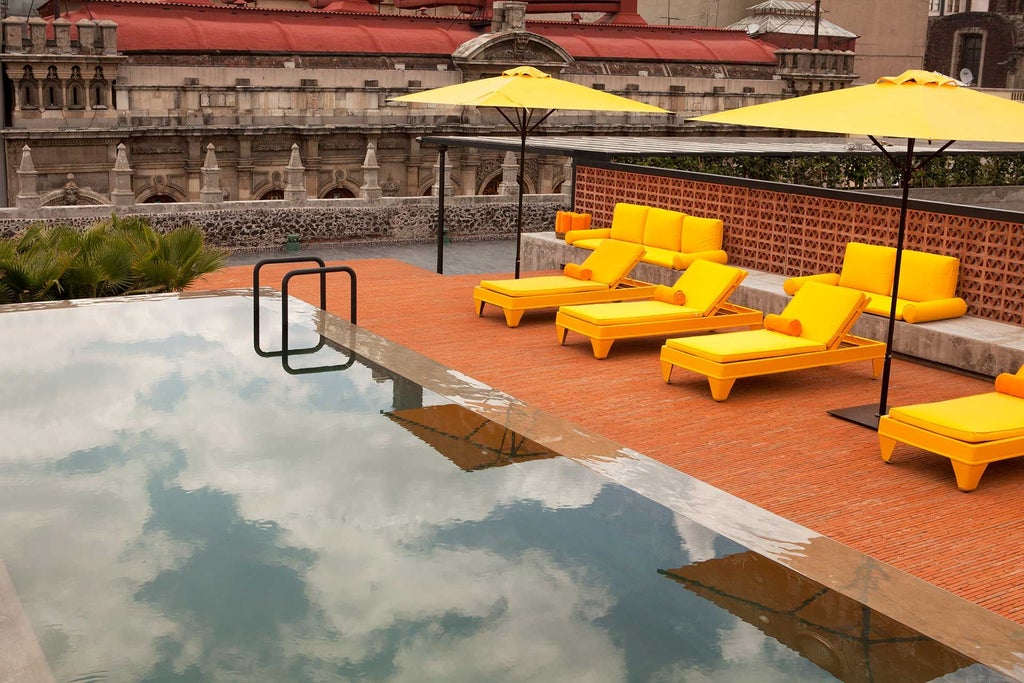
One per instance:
(771,443)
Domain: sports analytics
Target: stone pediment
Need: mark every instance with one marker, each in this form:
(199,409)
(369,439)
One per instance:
(492,53)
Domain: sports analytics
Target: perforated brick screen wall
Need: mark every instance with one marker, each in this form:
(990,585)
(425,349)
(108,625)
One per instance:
(787,232)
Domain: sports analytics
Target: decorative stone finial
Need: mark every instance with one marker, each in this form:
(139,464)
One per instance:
(295,177)
(509,184)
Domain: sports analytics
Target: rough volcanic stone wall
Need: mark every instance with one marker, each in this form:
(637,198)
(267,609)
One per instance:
(258,226)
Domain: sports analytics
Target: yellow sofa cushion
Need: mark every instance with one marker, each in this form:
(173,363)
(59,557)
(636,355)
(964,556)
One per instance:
(663,229)
(868,267)
(826,313)
(746,345)
(542,285)
(588,243)
(594,235)
(701,234)
(612,261)
(660,257)
(708,284)
(628,222)
(792,285)
(629,312)
(924,276)
(683,261)
(974,419)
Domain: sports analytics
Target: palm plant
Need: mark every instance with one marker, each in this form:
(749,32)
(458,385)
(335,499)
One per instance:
(114,257)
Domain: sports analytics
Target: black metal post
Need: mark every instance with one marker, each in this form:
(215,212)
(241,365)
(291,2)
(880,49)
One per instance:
(524,113)
(817,20)
(905,173)
(442,152)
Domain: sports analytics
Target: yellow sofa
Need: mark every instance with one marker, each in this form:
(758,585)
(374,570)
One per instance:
(927,288)
(672,239)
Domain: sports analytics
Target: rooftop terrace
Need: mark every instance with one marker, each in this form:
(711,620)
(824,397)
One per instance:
(772,443)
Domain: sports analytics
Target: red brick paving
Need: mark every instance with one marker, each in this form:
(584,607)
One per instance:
(771,443)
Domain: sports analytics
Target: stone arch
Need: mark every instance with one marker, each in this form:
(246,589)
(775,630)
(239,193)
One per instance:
(157,187)
(338,186)
(73,195)
(491,53)
(426,188)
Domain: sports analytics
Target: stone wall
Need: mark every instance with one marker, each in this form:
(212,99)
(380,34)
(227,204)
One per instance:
(262,225)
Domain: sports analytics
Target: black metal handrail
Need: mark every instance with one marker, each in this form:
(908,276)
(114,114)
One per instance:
(322,271)
(256,302)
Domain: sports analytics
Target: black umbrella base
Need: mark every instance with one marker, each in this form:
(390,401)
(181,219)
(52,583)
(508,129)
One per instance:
(865,416)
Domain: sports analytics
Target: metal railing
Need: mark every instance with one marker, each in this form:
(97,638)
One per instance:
(322,270)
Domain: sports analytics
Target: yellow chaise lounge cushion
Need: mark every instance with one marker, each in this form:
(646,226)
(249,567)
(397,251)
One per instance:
(746,345)
(825,314)
(543,285)
(626,312)
(608,265)
(974,419)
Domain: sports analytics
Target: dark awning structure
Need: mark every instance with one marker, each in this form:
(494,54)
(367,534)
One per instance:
(605,148)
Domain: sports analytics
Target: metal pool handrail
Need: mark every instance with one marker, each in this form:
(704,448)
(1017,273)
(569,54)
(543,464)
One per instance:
(322,271)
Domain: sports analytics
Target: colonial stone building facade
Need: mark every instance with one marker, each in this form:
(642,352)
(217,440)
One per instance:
(988,45)
(171,81)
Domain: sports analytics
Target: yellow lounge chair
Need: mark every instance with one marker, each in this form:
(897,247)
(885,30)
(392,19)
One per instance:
(601,277)
(812,331)
(971,431)
(695,303)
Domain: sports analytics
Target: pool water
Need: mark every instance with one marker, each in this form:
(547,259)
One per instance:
(177,507)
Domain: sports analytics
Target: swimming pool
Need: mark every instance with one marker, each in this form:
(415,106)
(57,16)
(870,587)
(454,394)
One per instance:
(175,506)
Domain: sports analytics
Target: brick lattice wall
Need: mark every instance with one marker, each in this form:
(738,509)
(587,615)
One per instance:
(792,230)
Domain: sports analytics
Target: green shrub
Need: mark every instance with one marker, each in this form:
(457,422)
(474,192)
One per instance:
(853,171)
(111,258)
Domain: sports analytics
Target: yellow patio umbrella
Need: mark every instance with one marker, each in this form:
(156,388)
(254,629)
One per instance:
(914,105)
(525,97)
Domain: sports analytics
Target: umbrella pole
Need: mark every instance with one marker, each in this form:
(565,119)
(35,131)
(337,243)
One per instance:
(905,173)
(868,415)
(523,118)
(442,151)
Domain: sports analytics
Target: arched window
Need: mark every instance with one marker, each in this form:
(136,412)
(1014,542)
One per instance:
(52,90)
(273,194)
(98,89)
(76,89)
(339,193)
(28,89)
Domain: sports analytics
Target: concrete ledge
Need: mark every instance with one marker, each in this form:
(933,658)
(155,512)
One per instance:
(972,344)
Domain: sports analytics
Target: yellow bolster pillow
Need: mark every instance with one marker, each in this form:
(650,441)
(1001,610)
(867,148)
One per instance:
(669,295)
(577,271)
(777,323)
(1012,385)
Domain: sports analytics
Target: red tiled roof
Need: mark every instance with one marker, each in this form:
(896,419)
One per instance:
(185,27)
